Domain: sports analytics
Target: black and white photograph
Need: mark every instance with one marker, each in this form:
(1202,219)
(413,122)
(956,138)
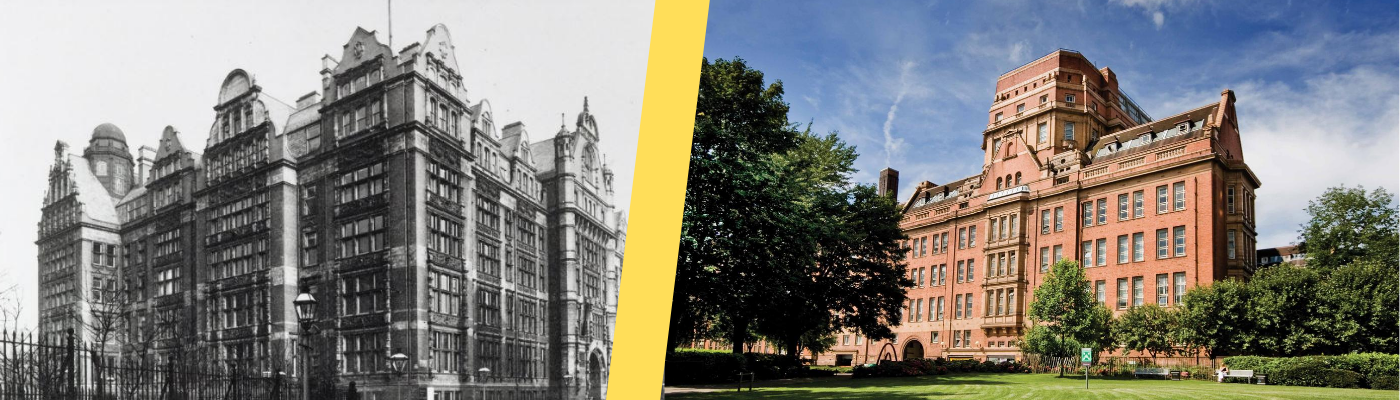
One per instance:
(360,200)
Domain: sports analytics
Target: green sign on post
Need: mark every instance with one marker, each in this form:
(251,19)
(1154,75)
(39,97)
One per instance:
(1086,356)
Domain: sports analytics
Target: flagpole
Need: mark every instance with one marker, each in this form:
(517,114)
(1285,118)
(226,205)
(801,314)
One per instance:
(391,26)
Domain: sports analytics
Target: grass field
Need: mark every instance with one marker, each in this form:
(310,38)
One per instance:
(1023,386)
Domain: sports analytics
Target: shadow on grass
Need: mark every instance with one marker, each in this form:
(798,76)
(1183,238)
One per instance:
(843,387)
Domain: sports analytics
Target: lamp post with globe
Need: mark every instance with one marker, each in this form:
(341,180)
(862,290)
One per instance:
(305,305)
(398,362)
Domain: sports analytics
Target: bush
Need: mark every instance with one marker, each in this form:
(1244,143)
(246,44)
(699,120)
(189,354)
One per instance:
(686,366)
(1383,382)
(936,366)
(1374,370)
(1340,378)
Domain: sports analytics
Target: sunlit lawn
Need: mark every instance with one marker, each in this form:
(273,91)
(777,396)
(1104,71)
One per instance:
(1025,386)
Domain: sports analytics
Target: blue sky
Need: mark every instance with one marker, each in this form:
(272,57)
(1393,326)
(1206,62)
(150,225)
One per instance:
(909,83)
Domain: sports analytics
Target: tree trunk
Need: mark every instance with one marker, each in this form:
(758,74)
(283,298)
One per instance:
(737,335)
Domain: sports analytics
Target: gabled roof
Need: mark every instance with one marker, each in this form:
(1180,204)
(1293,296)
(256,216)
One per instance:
(1151,135)
(543,152)
(97,204)
(936,194)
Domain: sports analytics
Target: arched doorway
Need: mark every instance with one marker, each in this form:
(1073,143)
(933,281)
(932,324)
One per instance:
(913,350)
(595,376)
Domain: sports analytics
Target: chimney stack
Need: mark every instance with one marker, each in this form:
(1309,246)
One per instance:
(889,183)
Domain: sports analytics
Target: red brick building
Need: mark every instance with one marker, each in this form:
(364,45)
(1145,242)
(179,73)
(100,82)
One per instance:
(1073,169)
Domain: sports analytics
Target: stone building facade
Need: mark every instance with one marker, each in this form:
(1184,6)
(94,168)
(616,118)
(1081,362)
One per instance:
(418,224)
(1072,169)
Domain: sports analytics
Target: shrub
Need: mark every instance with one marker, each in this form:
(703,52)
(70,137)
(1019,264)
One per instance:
(1340,378)
(702,366)
(937,366)
(1303,371)
(1383,382)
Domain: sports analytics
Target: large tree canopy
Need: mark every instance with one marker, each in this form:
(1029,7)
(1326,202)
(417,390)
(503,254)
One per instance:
(1348,224)
(1064,305)
(775,239)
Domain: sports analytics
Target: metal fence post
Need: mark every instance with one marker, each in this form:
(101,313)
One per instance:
(70,360)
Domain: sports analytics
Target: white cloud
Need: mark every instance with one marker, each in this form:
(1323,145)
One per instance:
(1156,9)
(894,146)
(1337,129)
(1158,19)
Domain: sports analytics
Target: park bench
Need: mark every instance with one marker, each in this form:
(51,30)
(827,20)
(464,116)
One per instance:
(1162,372)
(1247,374)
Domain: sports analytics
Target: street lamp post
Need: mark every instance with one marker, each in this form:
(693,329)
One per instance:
(397,362)
(305,305)
(482,382)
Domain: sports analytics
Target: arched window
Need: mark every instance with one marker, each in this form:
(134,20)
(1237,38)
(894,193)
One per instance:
(998,183)
(1008,181)
(1018,179)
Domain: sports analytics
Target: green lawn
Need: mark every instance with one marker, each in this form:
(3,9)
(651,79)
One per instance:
(1024,386)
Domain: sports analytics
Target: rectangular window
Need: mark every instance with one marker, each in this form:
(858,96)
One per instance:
(1042,133)
(943,243)
(1020,107)
(940,308)
(361,183)
(1122,249)
(1163,249)
(1059,218)
(1137,246)
(1179,236)
(1059,252)
(957,306)
(942,273)
(1162,290)
(1088,259)
(1179,279)
(1179,195)
(1122,206)
(365,235)
(1137,204)
(919,310)
(364,352)
(1069,98)
(962,238)
(362,294)
(1230,244)
(488,307)
(1086,213)
(1103,211)
(444,294)
(972,236)
(1101,246)
(967,305)
(1162,199)
(1044,259)
(1230,199)
(1137,291)
(1122,293)
(1069,128)
(970,268)
(958,274)
(1099,295)
(1045,222)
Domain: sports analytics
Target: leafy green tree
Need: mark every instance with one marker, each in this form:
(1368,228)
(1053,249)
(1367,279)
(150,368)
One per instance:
(1064,305)
(1214,318)
(845,267)
(1359,307)
(1282,305)
(1348,224)
(1146,328)
(775,239)
(730,218)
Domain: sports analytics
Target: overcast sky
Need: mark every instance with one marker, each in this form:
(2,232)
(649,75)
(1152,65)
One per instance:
(144,65)
(910,83)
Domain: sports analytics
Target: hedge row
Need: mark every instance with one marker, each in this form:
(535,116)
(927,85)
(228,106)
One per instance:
(934,366)
(686,366)
(1372,370)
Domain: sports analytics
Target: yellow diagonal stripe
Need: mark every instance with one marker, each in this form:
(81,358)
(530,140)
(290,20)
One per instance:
(658,194)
